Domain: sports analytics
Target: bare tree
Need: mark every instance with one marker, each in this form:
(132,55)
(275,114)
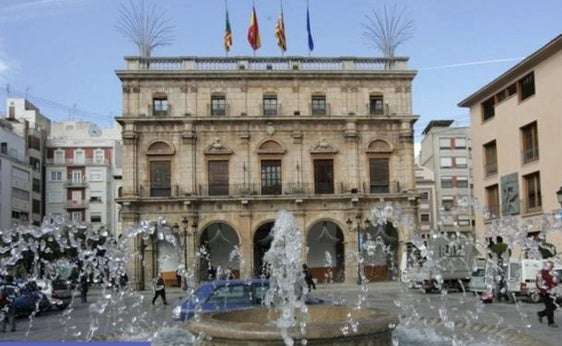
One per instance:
(386,31)
(144,27)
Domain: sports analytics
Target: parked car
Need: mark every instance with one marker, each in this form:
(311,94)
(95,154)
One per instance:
(57,291)
(30,299)
(223,295)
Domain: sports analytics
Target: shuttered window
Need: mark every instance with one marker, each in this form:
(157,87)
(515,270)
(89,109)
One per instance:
(160,177)
(379,176)
(218,178)
(323,176)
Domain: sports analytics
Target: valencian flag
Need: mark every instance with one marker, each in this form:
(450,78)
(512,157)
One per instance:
(310,40)
(227,34)
(254,31)
(280,33)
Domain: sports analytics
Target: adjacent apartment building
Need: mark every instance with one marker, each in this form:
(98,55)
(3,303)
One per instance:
(214,148)
(82,162)
(515,131)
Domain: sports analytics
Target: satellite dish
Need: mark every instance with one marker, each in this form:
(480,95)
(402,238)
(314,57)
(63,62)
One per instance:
(95,131)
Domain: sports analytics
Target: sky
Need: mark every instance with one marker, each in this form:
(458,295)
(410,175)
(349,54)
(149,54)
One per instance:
(62,54)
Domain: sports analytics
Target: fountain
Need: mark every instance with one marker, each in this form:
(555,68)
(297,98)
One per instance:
(288,318)
(122,315)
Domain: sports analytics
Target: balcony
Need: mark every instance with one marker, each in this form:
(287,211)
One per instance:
(76,184)
(76,204)
(530,155)
(531,206)
(491,168)
(73,162)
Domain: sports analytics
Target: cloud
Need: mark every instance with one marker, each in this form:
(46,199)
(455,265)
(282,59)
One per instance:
(27,9)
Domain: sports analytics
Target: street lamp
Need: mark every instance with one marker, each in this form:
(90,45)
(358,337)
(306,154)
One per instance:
(358,228)
(559,195)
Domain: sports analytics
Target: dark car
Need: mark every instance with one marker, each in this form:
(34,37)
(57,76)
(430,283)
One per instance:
(30,299)
(58,292)
(222,295)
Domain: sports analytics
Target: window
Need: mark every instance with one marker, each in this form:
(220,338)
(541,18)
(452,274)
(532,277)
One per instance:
(79,156)
(446,162)
(460,143)
(95,217)
(20,194)
(533,197)
(488,109)
(424,195)
(323,176)
(461,162)
(160,106)
(4,148)
(36,206)
(462,181)
(99,156)
(96,175)
(56,176)
(77,177)
(529,136)
(379,176)
(424,217)
(490,159)
(160,177)
(54,196)
(444,143)
(20,215)
(448,203)
(20,174)
(33,142)
(76,216)
(95,199)
(271,177)
(218,178)
(446,181)
(463,220)
(36,185)
(218,105)
(376,105)
(59,156)
(270,105)
(319,105)
(527,86)
(511,90)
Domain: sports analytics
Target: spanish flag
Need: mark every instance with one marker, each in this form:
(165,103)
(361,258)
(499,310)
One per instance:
(280,33)
(227,34)
(254,31)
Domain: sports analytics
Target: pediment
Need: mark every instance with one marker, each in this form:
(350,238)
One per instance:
(160,147)
(271,147)
(323,147)
(217,148)
(379,146)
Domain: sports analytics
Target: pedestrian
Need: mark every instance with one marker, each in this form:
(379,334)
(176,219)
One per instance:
(546,285)
(84,288)
(8,294)
(178,275)
(308,278)
(159,289)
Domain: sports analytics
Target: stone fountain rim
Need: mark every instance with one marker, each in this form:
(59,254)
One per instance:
(376,322)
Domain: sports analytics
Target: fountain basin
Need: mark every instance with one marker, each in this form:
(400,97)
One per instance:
(326,325)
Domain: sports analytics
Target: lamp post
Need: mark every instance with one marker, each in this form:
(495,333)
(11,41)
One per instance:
(359,230)
(559,195)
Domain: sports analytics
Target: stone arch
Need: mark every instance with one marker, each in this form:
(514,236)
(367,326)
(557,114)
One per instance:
(379,248)
(160,147)
(271,146)
(379,146)
(326,237)
(218,245)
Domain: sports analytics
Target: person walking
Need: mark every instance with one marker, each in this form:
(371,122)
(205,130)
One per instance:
(84,288)
(8,294)
(308,277)
(159,289)
(546,284)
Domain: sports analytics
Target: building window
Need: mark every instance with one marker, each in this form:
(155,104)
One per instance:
(160,178)
(527,86)
(218,178)
(20,194)
(324,176)
(463,220)
(530,139)
(218,105)
(96,175)
(99,156)
(424,195)
(54,196)
(20,215)
(271,177)
(79,156)
(379,176)
(319,105)
(448,203)
(462,181)
(490,159)
(444,143)
(36,206)
(446,181)
(56,176)
(4,148)
(76,216)
(160,106)
(533,202)
(20,174)
(461,162)
(488,109)
(376,106)
(95,199)
(59,156)
(36,185)
(270,105)
(446,162)
(424,217)
(95,217)
(460,143)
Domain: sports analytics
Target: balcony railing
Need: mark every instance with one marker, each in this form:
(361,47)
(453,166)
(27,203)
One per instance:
(530,206)
(491,168)
(74,162)
(265,63)
(530,154)
(76,183)
(77,204)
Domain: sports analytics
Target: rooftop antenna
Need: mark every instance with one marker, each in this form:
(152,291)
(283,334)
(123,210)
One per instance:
(387,30)
(144,27)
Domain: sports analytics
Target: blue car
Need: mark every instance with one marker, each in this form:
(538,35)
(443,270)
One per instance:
(223,295)
(30,299)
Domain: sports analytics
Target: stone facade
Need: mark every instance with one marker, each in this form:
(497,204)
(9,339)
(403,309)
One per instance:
(217,146)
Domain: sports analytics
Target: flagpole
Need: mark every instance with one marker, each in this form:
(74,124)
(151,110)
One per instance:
(226,9)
